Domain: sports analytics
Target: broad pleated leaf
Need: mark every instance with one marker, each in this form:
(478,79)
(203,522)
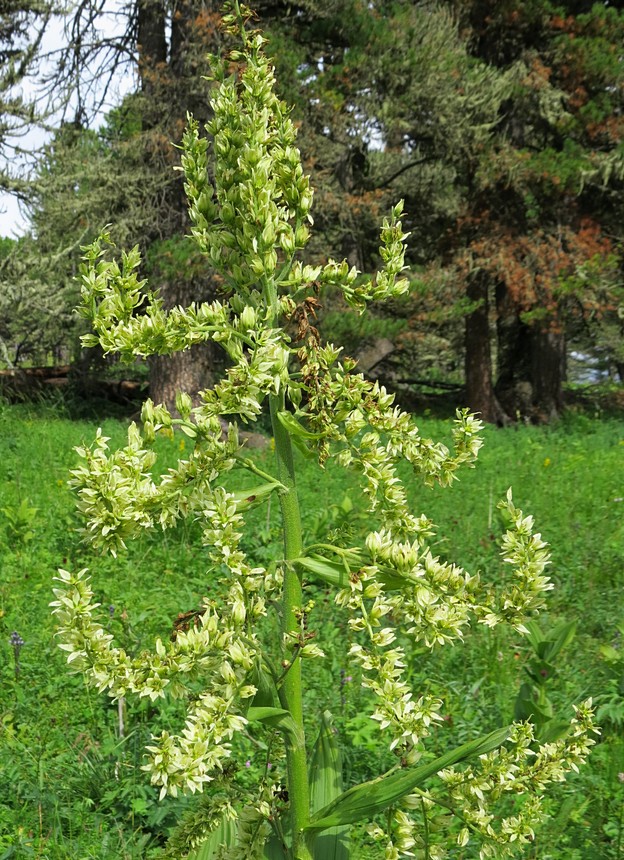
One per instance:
(273,849)
(325,786)
(224,835)
(363,801)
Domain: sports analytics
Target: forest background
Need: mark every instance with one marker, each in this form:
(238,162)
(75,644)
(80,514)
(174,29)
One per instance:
(499,123)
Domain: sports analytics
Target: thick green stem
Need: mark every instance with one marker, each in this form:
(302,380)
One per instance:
(291,690)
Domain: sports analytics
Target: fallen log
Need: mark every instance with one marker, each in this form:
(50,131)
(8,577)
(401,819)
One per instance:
(27,383)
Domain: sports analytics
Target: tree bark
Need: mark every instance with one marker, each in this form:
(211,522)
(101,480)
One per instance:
(349,172)
(169,75)
(547,372)
(480,396)
(194,369)
(151,42)
(513,372)
(189,371)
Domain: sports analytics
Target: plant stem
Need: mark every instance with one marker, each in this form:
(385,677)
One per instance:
(291,691)
(249,464)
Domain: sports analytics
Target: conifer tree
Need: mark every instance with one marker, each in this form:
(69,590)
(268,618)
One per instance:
(22,26)
(504,121)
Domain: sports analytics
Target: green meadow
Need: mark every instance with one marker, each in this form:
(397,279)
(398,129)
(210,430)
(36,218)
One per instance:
(70,759)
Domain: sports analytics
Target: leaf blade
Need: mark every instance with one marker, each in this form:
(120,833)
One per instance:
(325,786)
(224,835)
(276,718)
(367,799)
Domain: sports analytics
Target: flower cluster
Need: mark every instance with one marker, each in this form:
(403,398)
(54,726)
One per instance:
(514,775)
(243,221)
(522,769)
(528,553)
(118,496)
(17,643)
(218,650)
(431,602)
(250,213)
(387,284)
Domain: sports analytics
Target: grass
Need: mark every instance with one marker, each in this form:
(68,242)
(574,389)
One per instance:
(72,785)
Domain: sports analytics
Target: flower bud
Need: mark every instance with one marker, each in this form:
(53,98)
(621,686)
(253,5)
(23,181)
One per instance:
(248,318)
(184,404)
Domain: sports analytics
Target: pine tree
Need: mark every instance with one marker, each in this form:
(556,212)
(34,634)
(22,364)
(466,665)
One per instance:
(22,26)
(504,124)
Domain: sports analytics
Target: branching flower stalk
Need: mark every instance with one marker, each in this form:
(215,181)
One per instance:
(250,215)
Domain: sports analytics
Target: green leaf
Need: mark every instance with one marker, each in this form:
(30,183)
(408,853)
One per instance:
(294,428)
(331,572)
(223,835)
(303,448)
(265,688)
(540,671)
(246,498)
(559,639)
(275,718)
(558,826)
(548,645)
(273,849)
(363,801)
(611,654)
(534,635)
(528,708)
(346,504)
(336,573)
(552,731)
(325,786)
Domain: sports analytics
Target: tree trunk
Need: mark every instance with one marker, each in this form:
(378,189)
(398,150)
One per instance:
(195,368)
(151,42)
(547,372)
(189,371)
(349,172)
(513,372)
(480,396)
(171,76)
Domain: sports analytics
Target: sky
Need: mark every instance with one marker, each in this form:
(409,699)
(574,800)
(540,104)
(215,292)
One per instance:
(13,221)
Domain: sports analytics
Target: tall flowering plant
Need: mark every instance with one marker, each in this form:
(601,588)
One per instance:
(249,204)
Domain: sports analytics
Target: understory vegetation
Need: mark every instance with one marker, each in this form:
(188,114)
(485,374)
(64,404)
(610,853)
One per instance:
(71,759)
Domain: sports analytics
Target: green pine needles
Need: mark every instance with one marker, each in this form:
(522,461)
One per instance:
(250,206)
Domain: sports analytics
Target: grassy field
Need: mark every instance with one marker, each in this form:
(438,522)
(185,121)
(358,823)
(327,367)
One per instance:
(71,782)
